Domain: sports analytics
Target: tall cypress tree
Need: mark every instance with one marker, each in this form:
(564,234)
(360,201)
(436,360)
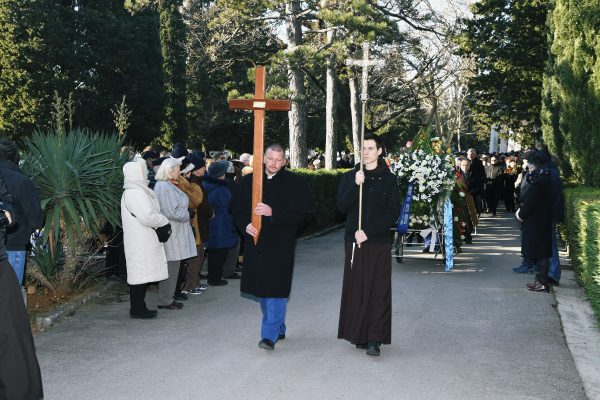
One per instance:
(572,101)
(172,37)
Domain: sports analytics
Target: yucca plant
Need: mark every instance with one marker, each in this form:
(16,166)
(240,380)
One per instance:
(78,175)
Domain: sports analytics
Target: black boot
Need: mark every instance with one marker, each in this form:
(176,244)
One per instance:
(373,349)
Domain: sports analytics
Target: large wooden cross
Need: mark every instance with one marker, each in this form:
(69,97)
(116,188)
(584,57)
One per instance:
(259,105)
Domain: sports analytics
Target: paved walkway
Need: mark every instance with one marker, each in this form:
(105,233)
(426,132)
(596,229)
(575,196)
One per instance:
(474,333)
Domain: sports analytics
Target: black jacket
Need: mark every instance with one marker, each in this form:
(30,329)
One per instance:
(28,213)
(476,179)
(381,203)
(269,265)
(537,201)
(5,205)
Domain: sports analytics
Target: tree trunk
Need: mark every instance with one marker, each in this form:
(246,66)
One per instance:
(331,110)
(297,114)
(355,117)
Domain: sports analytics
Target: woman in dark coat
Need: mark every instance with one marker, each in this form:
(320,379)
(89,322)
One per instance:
(20,377)
(222,230)
(535,214)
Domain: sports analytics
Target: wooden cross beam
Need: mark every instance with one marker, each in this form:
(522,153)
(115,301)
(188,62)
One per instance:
(259,105)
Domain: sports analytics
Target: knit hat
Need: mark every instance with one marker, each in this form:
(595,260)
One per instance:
(218,168)
(196,159)
(150,155)
(179,150)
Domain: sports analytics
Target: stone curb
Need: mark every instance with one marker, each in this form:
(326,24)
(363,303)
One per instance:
(69,308)
(581,332)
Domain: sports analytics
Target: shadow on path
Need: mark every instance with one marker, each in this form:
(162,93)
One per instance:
(472,333)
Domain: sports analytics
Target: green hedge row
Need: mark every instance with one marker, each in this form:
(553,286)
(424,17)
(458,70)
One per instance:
(323,186)
(582,226)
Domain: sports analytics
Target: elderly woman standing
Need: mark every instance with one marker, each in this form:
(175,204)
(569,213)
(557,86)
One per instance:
(145,255)
(174,204)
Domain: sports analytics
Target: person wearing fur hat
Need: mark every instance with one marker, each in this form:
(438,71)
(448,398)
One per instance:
(145,255)
(222,230)
(174,204)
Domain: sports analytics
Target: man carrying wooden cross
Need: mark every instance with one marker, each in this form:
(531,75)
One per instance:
(269,253)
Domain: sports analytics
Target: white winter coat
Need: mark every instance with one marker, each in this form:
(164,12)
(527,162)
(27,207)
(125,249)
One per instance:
(145,255)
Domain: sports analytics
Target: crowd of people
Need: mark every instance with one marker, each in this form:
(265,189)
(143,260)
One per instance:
(183,207)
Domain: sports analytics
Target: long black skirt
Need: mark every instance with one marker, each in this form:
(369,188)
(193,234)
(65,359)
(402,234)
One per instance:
(366,309)
(20,377)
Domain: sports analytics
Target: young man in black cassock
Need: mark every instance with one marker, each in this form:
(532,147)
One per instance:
(269,264)
(366,306)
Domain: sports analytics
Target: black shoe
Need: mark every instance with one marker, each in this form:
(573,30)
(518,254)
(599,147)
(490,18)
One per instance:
(362,346)
(180,297)
(143,314)
(173,306)
(373,349)
(235,275)
(553,282)
(222,282)
(266,344)
(280,337)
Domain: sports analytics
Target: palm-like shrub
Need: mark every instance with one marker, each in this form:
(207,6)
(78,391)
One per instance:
(78,175)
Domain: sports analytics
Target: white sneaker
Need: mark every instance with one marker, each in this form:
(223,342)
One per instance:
(196,291)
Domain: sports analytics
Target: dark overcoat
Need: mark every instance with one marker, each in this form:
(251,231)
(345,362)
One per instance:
(537,201)
(221,227)
(269,265)
(381,203)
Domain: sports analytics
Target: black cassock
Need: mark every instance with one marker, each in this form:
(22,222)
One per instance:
(269,265)
(366,305)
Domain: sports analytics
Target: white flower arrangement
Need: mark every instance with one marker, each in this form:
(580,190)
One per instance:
(431,174)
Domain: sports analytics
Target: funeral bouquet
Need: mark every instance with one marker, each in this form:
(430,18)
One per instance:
(431,175)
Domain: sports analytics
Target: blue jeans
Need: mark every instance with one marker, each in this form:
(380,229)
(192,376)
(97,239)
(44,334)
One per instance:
(17,260)
(273,321)
(554,271)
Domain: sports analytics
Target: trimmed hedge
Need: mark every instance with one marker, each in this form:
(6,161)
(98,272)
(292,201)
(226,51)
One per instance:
(582,226)
(323,186)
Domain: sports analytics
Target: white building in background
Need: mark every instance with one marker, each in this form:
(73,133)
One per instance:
(500,144)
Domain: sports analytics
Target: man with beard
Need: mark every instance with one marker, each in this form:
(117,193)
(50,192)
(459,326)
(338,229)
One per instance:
(269,264)
(366,305)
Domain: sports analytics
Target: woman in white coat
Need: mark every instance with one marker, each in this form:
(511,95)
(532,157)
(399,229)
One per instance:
(174,204)
(145,255)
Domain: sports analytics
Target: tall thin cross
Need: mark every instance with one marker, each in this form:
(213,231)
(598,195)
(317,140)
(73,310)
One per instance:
(365,63)
(259,105)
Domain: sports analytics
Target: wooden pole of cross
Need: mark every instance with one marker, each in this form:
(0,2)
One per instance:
(365,63)
(260,105)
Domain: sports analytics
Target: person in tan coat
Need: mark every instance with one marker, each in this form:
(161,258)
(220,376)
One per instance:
(200,210)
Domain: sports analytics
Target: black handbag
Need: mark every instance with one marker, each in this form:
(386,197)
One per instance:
(163,232)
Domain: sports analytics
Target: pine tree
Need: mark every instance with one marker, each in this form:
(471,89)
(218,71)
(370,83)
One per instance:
(507,40)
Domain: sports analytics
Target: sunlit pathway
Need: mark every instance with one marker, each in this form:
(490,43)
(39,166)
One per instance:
(474,333)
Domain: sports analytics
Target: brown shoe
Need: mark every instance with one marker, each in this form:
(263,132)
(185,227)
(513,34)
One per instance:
(172,306)
(538,287)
